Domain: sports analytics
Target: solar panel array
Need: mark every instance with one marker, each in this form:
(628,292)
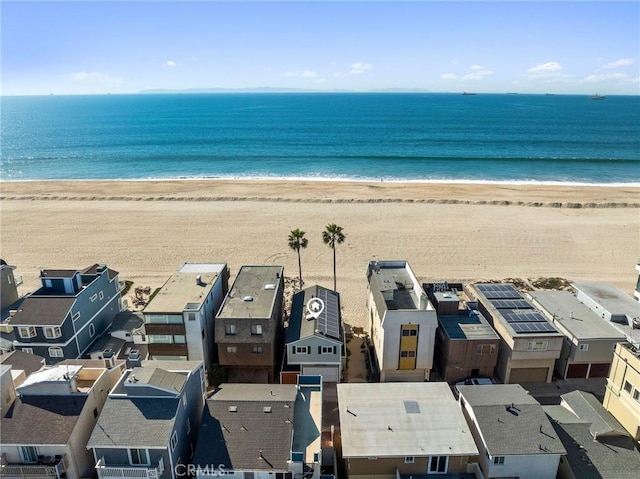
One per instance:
(328,322)
(499,291)
(517,311)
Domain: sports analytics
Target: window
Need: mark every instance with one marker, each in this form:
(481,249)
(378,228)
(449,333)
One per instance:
(56,352)
(139,457)
(52,332)
(498,460)
(27,350)
(174,440)
(486,349)
(628,387)
(191,316)
(76,316)
(257,350)
(184,400)
(92,330)
(160,338)
(101,295)
(232,349)
(537,345)
(29,454)
(409,332)
(407,354)
(163,319)
(93,297)
(230,329)
(179,339)
(636,395)
(301,350)
(95,413)
(583,347)
(438,464)
(27,331)
(256,329)
(327,350)
(409,460)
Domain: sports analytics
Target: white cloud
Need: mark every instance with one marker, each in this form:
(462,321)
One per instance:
(477,72)
(545,68)
(455,62)
(301,74)
(607,77)
(170,64)
(449,76)
(359,68)
(623,62)
(94,78)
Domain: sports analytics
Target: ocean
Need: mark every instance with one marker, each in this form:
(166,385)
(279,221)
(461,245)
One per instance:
(507,138)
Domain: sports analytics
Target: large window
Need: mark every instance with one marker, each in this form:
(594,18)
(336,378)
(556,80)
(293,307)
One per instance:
(52,332)
(163,319)
(438,464)
(56,352)
(139,457)
(167,338)
(486,349)
(256,329)
(28,454)
(230,329)
(27,331)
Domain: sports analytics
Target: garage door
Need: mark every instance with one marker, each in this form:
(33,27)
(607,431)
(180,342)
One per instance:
(528,375)
(577,370)
(599,370)
(329,374)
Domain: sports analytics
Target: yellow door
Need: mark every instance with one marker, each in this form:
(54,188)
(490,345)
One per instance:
(408,346)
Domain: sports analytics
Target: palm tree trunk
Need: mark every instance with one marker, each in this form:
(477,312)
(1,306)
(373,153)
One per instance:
(334,269)
(300,268)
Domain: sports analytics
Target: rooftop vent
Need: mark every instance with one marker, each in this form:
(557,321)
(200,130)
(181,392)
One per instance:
(266,409)
(247,299)
(411,407)
(233,408)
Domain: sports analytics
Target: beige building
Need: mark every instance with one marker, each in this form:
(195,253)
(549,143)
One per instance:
(402,322)
(529,343)
(622,395)
(398,430)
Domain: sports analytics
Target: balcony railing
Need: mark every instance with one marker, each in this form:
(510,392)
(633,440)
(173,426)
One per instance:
(32,471)
(128,471)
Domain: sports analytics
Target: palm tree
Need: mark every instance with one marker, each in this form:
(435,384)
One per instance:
(297,241)
(333,235)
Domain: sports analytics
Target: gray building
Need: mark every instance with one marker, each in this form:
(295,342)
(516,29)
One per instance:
(68,313)
(150,420)
(587,350)
(597,445)
(9,301)
(44,431)
(249,327)
(314,340)
(612,305)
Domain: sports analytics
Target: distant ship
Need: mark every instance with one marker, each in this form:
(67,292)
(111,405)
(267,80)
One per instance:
(597,97)
(467,93)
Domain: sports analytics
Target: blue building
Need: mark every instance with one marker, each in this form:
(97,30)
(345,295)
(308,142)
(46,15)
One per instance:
(68,313)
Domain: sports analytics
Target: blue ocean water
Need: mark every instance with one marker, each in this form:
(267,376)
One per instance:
(356,136)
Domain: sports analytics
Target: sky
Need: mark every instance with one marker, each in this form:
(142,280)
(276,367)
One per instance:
(93,47)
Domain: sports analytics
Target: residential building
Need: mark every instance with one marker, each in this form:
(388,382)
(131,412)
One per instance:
(587,349)
(22,364)
(466,345)
(314,343)
(622,394)
(612,305)
(636,293)
(150,421)
(402,322)
(597,445)
(261,431)
(68,313)
(44,432)
(529,343)
(249,325)
(399,430)
(125,340)
(9,301)
(512,432)
(179,319)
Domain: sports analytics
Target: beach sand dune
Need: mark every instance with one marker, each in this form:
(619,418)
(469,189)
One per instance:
(446,232)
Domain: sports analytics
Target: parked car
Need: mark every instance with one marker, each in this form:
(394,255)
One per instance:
(471,382)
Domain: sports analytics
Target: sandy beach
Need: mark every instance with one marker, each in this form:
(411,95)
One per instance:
(146,230)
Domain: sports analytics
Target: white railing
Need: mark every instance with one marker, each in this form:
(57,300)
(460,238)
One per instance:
(30,471)
(124,472)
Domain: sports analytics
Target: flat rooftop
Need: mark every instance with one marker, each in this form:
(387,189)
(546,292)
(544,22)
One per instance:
(402,419)
(574,316)
(253,293)
(183,287)
(467,325)
(393,282)
(612,299)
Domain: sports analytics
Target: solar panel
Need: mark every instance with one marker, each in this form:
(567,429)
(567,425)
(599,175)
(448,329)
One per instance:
(328,322)
(498,291)
(511,304)
(522,316)
(533,328)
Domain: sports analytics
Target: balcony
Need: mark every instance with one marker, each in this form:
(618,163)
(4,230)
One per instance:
(129,471)
(47,468)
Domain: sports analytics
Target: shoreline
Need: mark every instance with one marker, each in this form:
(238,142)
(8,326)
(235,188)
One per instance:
(320,191)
